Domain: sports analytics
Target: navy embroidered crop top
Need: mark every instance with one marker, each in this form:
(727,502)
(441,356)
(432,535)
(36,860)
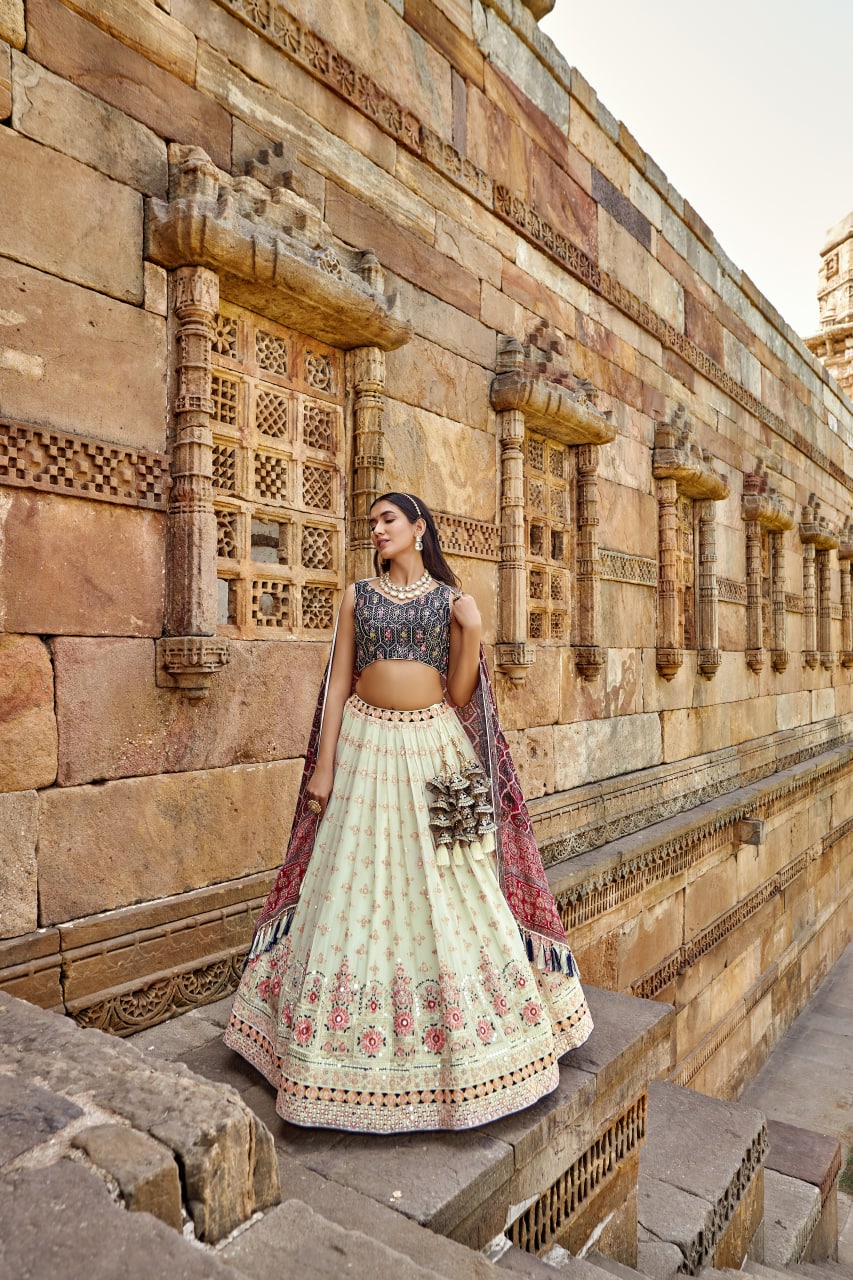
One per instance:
(412,630)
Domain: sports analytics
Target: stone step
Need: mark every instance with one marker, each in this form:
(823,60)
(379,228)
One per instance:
(615,1268)
(532,1175)
(792,1211)
(173,1144)
(825,1270)
(699,1200)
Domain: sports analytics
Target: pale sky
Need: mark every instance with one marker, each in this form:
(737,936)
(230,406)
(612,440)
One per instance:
(747,106)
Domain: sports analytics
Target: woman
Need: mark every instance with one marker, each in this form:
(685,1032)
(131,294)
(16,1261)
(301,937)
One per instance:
(409,970)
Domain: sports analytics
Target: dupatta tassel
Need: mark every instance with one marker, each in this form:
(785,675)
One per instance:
(270,933)
(548,956)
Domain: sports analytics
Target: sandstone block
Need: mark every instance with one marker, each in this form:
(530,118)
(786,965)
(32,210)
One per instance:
(80,568)
(442,324)
(414,73)
(80,52)
(5,80)
(709,895)
(75,223)
(129,841)
(66,1220)
(12,25)
(30,962)
(55,112)
(402,252)
(27,720)
(144,1169)
(536,701)
(115,722)
(151,31)
(30,1116)
(503,45)
(452,463)
(454,240)
(303,1241)
(18,872)
(605,748)
(429,377)
(114,385)
(226,1155)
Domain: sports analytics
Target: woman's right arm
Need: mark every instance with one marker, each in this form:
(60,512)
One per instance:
(319,785)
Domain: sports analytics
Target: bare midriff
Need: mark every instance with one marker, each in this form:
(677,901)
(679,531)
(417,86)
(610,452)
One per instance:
(399,685)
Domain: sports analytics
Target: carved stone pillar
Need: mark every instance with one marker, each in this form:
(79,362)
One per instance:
(589,657)
(779,655)
(563,412)
(709,657)
(683,470)
(754,603)
(824,616)
(669,654)
(189,654)
(367,378)
(763,508)
(513,654)
(845,564)
(818,540)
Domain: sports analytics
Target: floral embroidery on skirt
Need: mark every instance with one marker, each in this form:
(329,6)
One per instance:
(398,994)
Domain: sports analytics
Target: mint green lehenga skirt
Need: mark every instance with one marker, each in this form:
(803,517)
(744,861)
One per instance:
(401,997)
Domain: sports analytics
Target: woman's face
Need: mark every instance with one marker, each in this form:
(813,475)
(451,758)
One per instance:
(391,530)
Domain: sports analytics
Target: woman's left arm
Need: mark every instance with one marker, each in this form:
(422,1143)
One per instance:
(463,668)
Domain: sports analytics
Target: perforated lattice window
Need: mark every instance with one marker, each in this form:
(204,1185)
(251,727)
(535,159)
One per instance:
(277,476)
(548,476)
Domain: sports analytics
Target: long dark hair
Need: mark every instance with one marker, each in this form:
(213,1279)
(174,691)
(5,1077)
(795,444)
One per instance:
(414,509)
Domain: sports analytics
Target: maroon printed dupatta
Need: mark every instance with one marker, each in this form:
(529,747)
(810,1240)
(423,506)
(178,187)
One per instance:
(522,875)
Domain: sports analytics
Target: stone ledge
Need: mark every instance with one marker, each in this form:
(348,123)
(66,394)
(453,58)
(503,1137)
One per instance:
(701,1177)
(225,1155)
(792,1215)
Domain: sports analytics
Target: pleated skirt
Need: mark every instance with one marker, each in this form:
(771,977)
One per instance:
(399,995)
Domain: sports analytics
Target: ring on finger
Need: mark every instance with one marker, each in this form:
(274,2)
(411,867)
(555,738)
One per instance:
(315,806)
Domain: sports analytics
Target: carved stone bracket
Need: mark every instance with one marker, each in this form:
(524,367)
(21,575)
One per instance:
(190,662)
(272,251)
(561,408)
(682,469)
(818,540)
(763,509)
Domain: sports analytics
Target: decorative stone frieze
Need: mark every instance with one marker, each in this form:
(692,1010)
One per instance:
(818,540)
(766,518)
(33,457)
(683,471)
(532,396)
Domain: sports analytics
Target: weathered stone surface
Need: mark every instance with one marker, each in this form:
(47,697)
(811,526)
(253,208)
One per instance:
(78,567)
(67,1224)
(429,378)
(225,1154)
(81,362)
(18,873)
(80,52)
(80,226)
(601,749)
(29,1116)
(115,722)
(151,31)
(5,80)
(791,1215)
(300,1239)
(12,24)
(57,113)
(445,459)
(30,962)
(124,842)
(27,719)
(144,1169)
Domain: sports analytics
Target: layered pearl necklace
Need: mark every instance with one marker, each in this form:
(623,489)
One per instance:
(405,593)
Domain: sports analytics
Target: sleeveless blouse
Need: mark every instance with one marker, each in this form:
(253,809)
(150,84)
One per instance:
(409,630)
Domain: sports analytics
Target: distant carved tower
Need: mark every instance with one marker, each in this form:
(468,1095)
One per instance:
(834,344)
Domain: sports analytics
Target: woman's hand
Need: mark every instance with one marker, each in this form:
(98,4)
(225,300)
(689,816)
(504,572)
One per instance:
(319,787)
(466,613)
